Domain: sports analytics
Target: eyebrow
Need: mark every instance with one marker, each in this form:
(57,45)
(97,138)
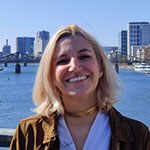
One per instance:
(84,50)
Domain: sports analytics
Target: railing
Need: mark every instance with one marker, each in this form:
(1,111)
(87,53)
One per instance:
(6,136)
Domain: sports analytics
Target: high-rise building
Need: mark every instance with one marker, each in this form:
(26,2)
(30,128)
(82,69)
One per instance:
(24,45)
(40,42)
(123,43)
(6,48)
(138,34)
(44,35)
(38,50)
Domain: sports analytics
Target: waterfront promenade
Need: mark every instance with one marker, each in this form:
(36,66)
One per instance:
(6,136)
(124,66)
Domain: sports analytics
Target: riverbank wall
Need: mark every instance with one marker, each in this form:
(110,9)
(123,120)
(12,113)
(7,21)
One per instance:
(125,66)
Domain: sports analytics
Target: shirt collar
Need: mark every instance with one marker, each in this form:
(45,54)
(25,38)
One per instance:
(120,128)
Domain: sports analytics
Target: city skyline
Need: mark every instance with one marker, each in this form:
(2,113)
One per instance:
(103,19)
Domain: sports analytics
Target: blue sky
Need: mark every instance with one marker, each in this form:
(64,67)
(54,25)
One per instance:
(102,18)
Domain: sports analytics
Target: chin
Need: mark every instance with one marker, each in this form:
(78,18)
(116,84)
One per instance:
(76,93)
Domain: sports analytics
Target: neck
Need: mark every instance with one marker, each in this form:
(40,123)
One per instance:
(80,121)
(84,113)
(76,104)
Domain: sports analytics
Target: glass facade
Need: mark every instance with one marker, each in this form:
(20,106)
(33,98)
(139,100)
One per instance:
(24,45)
(138,34)
(123,42)
(44,35)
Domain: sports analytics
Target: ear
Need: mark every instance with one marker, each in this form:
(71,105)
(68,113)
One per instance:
(100,73)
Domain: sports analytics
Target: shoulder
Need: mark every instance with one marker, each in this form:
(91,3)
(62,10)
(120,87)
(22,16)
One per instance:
(135,123)
(139,132)
(32,119)
(129,130)
(29,128)
(29,123)
(137,127)
(117,116)
(37,121)
(122,121)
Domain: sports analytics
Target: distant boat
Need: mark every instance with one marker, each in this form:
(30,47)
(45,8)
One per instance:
(140,67)
(1,68)
(147,69)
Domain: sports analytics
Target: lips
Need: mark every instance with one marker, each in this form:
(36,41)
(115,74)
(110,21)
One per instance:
(76,79)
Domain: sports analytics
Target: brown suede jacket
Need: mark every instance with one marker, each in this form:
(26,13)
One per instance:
(40,133)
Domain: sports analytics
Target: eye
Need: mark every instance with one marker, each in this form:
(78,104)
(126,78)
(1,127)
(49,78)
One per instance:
(82,57)
(62,61)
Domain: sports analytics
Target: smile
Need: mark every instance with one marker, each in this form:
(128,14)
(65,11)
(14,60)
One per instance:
(80,78)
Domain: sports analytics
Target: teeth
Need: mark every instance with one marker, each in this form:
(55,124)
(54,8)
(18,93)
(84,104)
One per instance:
(78,79)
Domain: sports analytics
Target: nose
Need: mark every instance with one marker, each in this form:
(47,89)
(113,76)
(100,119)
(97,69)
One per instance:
(75,65)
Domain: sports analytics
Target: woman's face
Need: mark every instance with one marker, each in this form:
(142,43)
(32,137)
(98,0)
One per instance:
(76,69)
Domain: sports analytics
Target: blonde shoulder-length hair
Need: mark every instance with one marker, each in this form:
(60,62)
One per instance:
(45,94)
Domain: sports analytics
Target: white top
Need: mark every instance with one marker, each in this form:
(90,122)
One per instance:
(98,137)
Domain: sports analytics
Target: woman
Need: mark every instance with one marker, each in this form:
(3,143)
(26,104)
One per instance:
(75,89)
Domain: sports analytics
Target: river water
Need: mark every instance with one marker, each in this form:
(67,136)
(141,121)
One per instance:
(16,95)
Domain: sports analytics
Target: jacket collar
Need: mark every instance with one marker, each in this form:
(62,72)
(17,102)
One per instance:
(50,128)
(120,128)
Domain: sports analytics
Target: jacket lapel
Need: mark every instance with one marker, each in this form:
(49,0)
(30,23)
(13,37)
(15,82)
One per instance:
(120,129)
(50,132)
